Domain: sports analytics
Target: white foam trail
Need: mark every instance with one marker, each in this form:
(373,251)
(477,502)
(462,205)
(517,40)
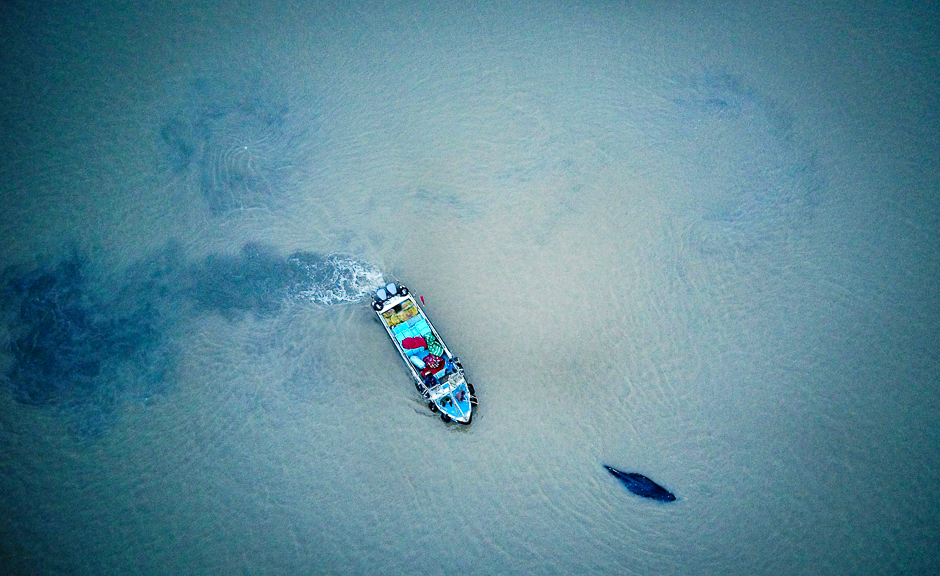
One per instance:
(336,279)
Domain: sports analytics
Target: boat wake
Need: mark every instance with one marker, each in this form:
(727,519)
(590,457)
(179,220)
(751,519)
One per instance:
(336,279)
(73,338)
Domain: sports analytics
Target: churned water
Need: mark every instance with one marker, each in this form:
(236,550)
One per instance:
(696,243)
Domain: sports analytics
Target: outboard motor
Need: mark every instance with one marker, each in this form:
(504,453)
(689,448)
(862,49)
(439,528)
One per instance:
(381,295)
(392,289)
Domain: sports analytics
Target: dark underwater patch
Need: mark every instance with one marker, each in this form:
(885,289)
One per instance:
(68,342)
(256,279)
(746,176)
(242,146)
(83,342)
(181,141)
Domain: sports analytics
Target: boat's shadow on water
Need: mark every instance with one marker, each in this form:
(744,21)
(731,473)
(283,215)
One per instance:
(421,409)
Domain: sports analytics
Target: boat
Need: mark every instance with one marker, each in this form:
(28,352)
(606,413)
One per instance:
(438,375)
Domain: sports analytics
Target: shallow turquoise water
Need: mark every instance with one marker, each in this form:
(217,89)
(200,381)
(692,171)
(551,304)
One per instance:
(699,244)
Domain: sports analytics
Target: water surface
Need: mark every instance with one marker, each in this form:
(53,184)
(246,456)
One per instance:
(699,244)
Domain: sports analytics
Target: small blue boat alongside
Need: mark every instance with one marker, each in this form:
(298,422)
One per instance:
(641,485)
(438,374)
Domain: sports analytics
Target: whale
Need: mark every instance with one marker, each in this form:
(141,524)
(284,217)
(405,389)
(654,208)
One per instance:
(641,485)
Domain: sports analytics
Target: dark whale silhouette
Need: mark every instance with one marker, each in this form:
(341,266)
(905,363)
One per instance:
(641,485)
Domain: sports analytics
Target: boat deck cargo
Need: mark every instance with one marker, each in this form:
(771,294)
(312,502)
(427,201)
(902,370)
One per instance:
(438,374)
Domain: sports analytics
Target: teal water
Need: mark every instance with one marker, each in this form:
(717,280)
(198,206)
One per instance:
(698,243)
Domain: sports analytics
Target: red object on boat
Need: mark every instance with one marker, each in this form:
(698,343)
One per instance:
(432,364)
(414,342)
